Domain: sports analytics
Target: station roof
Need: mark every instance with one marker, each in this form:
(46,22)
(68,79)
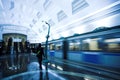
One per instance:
(65,17)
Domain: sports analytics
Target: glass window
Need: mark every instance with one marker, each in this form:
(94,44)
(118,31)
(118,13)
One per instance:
(91,44)
(71,46)
(101,44)
(74,45)
(52,46)
(58,46)
(85,44)
(112,44)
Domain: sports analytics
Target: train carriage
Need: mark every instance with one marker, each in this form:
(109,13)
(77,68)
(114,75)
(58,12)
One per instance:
(99,47)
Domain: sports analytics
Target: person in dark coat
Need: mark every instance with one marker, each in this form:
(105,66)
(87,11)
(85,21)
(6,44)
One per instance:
(40,55)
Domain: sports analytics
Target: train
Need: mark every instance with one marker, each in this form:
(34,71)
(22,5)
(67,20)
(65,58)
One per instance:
(99,47)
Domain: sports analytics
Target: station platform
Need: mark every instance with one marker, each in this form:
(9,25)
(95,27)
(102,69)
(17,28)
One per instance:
(26,67)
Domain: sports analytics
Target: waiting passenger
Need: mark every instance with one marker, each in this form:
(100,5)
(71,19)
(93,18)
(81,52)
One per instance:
(40,55)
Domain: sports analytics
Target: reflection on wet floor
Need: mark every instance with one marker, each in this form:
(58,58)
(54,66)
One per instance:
(52,75)
(26,67)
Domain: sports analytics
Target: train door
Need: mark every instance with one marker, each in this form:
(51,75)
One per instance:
(65,49)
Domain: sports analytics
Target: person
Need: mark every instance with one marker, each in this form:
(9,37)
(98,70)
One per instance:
(40,55)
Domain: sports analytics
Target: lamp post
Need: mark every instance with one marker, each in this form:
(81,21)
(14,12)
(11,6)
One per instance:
(46,48)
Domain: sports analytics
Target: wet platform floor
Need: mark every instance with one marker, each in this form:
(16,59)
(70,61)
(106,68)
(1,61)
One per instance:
(26,67)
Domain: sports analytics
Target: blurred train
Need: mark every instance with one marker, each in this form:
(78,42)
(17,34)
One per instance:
(99,47)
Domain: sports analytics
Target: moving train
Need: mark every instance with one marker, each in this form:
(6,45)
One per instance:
(99,47)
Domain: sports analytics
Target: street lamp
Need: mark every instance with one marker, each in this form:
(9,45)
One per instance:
(46,67)
(47,38)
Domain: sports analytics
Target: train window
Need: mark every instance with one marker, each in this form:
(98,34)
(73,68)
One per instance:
(71,46)
(52,46)
(112,44)
(85,44)
(91,44)
(77,45)
(59,46)
(74,45)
